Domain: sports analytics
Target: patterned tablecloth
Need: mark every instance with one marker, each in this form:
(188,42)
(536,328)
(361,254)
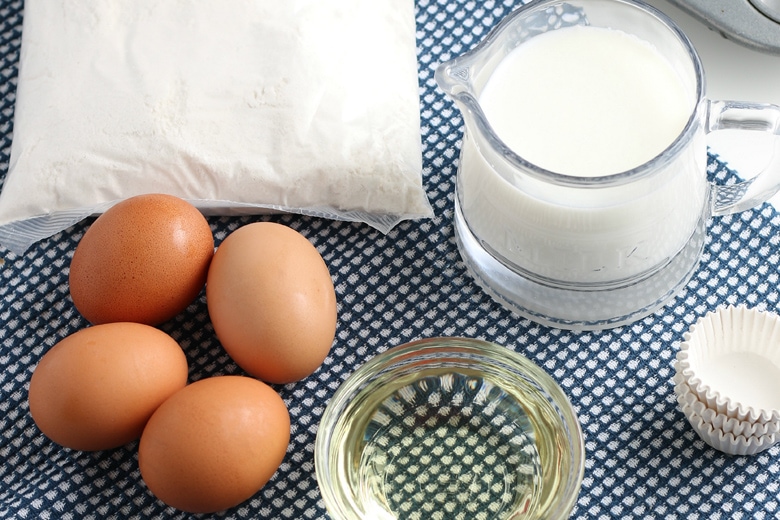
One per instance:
(643,458)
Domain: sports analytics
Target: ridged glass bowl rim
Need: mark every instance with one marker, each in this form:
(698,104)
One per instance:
(439,349)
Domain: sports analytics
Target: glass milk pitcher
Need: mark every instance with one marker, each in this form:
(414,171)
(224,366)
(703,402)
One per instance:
(607,245)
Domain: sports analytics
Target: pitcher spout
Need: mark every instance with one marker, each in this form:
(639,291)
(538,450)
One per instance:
(467,73)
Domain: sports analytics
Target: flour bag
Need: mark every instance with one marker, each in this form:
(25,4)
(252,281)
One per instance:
(239,106)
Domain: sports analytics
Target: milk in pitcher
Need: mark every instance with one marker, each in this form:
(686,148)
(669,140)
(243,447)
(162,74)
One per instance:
(584,101)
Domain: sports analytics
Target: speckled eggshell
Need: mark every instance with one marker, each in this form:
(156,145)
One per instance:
(144,260)
(272,302)
(95,389)
(214,444)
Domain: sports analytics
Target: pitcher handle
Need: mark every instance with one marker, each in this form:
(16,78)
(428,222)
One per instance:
(737,115)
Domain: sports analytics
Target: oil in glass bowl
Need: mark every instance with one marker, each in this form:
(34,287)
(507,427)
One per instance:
(449,445)
(449,433)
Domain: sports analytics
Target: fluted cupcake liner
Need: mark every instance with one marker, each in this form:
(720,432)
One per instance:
(728,442)
(730,359)
(693,409)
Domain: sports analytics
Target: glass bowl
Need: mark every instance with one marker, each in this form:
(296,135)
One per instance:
(449,428)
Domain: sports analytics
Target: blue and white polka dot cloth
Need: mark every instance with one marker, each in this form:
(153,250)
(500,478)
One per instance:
(643,459)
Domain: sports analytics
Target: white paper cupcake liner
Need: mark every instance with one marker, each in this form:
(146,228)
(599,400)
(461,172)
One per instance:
(693,409)
(728,442)
(730,359)
(720,408)
(713,404)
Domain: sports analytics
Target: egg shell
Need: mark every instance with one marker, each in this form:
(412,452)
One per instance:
(272,302)
(95,389)
(144,260)
(214,444)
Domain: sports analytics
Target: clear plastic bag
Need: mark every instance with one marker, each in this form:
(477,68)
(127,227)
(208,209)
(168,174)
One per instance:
(304,106)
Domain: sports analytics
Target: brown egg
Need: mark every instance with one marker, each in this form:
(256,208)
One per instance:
(214,444)
(95,389)
(272,302)
(144,260)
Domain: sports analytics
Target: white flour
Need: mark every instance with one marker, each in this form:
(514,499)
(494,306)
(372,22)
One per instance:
(310,106)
